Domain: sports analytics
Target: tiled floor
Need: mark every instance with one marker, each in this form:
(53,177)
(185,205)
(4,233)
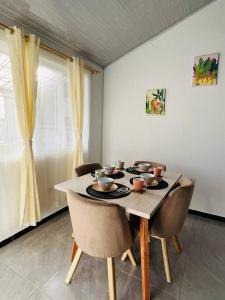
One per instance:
(34,266)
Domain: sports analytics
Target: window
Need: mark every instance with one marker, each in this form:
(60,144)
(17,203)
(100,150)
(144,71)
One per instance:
(53,128)
(54,131)
(53,140)
(10,140)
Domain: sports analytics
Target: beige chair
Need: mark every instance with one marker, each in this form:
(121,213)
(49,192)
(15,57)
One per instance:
(80,171)
(101,230)
(169,218)
(153,164)
(87,168)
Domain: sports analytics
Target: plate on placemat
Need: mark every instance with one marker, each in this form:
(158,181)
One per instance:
(154,183)
(161,184)
(109,195)
(116,174)
(150,170)
(98,188)
(134,170)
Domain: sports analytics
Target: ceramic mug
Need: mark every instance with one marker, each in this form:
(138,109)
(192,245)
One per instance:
(108,169)
(148,178)
(138,184)
(105,183)
(157,171)
(144,166)
(99,174)
(120,164)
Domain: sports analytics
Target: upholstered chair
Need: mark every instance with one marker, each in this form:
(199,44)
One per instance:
(153,164)
(169,219)
(101,230)
(80,171)
(87,168)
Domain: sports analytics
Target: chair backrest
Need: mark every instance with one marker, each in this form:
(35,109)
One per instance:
(153,164)
(170,217)
(100,229)
(87,168)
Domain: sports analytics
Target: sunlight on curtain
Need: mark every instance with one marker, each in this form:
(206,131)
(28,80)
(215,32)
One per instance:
(10,147)
(54,136)
(52,141)
(76,94)
(24,57)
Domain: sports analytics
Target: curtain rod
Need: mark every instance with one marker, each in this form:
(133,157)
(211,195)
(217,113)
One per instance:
(60,54)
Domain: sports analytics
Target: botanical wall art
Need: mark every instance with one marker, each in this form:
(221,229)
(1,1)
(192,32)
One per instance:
(205,69)
(155,102)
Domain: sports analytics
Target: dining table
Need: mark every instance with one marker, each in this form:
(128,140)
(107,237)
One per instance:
(143,205)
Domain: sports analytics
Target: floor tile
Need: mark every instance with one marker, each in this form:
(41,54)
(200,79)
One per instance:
(89,281)
(38,295)
(36,257)
(13,286)
(204,276)
(34,266)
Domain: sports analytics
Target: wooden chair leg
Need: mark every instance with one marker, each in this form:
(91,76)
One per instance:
(124,256)
(129,253)
(166,260)
(73,266)
(176,244)
(111,278)
(73,250)
(131,257)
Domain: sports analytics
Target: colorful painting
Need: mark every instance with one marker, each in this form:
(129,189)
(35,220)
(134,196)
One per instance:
(155,102)
(205,69)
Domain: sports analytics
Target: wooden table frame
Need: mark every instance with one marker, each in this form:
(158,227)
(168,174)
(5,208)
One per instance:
(145,213)
(145,258)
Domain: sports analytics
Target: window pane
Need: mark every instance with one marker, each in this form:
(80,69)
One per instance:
(10,140)
(53,128)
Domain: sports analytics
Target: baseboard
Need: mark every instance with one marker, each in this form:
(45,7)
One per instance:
(30,228)
(206,215)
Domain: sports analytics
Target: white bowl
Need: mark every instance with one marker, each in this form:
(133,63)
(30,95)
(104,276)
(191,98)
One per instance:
(105,183)
(144,166)
(148,178)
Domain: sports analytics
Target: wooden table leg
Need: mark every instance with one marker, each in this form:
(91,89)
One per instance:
(145,259)
(73,250)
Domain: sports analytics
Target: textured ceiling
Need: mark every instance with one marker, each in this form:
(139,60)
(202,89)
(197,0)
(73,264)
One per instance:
(100,30)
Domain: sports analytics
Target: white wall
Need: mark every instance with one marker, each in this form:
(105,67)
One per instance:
(96,111)
(190,138)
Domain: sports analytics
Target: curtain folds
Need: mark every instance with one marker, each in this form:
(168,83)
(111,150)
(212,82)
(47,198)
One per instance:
(76,94)
(24,56)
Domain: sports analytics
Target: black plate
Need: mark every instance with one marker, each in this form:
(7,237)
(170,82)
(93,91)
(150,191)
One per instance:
(133,170)
(114,176)
(107,195)
(162,184)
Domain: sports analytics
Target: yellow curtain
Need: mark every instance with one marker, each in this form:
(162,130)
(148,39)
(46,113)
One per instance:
(24,56)
(76,93)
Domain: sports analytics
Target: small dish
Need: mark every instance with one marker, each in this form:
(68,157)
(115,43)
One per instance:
(116,171)
(98,188)
(153,183)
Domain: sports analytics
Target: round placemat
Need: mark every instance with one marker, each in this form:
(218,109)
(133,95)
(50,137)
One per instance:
(133,170)
(102,195)
(114,176)
(162,184)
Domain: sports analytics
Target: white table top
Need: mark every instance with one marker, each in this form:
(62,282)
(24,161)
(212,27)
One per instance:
(143,205)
